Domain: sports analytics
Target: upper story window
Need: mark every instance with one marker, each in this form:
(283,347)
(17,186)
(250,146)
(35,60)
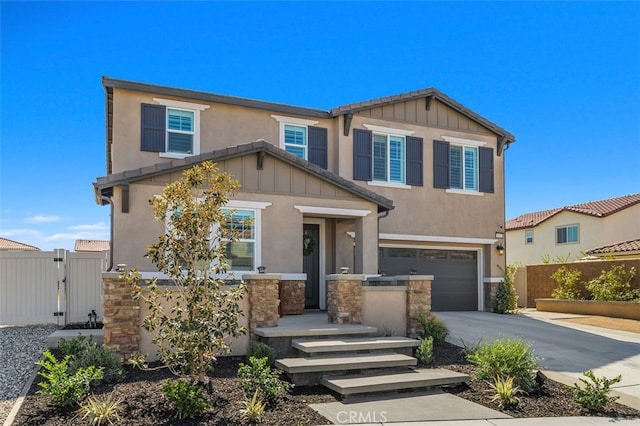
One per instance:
(387,156)
(171,128)
(567,234)
(462,166)
(303,139)
(528,236)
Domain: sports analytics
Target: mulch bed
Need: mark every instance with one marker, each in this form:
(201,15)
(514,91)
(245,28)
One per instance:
(143,403)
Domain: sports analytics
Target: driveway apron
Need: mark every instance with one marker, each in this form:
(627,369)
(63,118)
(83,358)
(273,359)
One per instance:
(565,349)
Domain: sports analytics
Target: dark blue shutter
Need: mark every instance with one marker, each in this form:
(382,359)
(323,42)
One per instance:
(485,165)
(440,164)
(153,128)
(414,161)
(318,146)
(362,154)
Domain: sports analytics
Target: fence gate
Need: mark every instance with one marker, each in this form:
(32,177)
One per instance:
(54,287)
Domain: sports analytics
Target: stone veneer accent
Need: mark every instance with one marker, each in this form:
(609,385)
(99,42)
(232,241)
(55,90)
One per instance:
(292,297)
(264,300)
(418,299)
(344,298)
(121,329)
(490,294)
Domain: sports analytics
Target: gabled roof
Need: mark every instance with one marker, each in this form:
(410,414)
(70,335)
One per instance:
(429,94)
(601,208)
(104,184)
(92,245)
(10,245)
(621,247)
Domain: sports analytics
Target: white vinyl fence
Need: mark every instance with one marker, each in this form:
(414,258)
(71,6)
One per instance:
(50,287)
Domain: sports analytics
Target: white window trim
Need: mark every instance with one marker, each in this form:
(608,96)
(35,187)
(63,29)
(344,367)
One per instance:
(389,130)
(532,237)
(386,184)
(568,242)
(186,106)
(464,192)
(283,120)
(462,141)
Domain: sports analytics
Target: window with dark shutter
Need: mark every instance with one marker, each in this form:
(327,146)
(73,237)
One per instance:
(153,128)
(362,154)
(414,161)
(440,164)
(485,165)
(318,146)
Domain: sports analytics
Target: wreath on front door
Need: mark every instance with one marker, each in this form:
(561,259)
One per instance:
(308,244)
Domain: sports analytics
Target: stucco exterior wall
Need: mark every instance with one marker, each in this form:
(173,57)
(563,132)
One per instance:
(622,226)
(385,308)
(591,235)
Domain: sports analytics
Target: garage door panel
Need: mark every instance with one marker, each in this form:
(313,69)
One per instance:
(455,285)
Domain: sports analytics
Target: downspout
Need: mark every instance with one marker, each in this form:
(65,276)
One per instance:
(110,201)
(380,216)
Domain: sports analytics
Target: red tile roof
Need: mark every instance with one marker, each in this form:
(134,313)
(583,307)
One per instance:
(92,245)
(600,208)
(621,247)
(10,245)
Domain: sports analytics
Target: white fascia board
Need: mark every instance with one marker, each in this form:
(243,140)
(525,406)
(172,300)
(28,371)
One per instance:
(437,239)
(332,211)
(462,141)
(239,204)
(389,130)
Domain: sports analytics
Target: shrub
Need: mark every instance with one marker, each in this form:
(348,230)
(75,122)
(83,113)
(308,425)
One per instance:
(65,389)
(187,398)
(253,409)
(506,392)
(101,410)
(257,375)
(504,358)
(432,327)
(74,346)
(594,396)
(262,350)
(567,279)
(99,356)
(506,298)
(425,350)
(614,284)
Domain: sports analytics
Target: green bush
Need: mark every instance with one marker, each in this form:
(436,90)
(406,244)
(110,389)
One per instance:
(594,396)
(74,346)
(65,389)
(98,356)
(614,284)
(262,350)
(506,357)
(187,398)
(567,279)
(425,350)
(432,327)
(506,298)
(258,375)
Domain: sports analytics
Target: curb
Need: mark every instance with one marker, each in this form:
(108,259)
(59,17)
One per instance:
(16,406)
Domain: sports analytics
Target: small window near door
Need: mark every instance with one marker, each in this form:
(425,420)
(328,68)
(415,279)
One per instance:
(433,254)
(463,255)
(406,253)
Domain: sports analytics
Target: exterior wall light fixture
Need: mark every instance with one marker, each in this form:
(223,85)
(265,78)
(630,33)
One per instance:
(500,249)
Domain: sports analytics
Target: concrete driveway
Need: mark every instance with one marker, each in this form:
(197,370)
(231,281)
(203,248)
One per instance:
(566,349)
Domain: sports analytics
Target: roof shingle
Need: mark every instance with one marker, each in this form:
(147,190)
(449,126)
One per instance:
(621,247)
(10,245)
(92,245)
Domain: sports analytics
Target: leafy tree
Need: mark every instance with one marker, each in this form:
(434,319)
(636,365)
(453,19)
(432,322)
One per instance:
(614,284)
(194,327)
(567,280)
(506,297)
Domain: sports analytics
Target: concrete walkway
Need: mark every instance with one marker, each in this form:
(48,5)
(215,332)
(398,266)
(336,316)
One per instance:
(567,350)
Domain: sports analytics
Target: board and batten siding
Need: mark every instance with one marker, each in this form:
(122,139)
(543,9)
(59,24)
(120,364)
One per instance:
(33,287)
(415,112)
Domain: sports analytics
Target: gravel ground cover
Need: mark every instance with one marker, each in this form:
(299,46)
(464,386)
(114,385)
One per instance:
(20,348)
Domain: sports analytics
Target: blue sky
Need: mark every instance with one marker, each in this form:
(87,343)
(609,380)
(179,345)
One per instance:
(564,78)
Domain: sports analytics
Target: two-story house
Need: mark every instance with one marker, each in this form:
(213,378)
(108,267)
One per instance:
(569,233)
(411,183)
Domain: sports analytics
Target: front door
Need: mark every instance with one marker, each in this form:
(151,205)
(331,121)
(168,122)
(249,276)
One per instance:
(311,265)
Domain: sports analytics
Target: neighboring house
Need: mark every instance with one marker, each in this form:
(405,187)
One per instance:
(623,250)
(10,245)
(572,232)
(411,183)
(91,245)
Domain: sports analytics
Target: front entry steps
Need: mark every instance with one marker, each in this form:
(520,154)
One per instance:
(363,365)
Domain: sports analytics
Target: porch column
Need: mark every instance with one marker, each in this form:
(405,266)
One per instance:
(418,299)
(344,294)
(366,249)
(264,300)
(121,329)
